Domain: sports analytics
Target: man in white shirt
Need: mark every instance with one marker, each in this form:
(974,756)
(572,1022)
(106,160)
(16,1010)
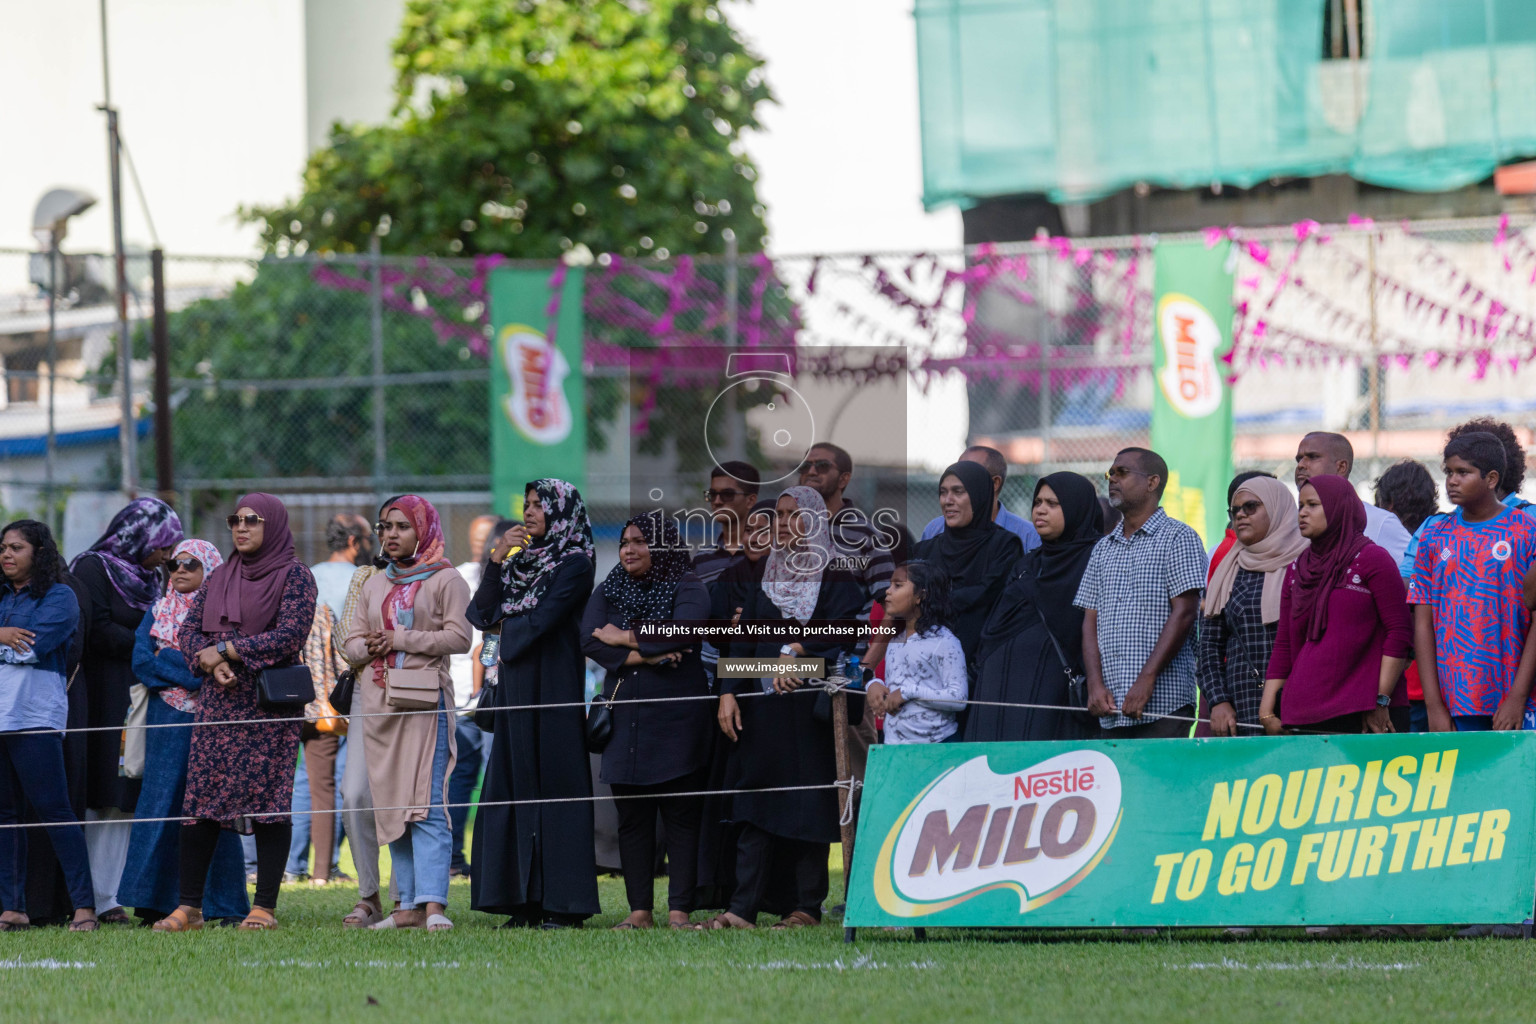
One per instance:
(469,740)
(1325,454)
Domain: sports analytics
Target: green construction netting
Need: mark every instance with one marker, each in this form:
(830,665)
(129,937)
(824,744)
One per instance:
(1078,99)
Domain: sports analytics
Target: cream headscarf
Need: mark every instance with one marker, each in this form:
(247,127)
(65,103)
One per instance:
(1281,546)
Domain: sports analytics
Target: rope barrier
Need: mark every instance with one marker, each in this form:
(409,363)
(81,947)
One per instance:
(840,686)
(184,819)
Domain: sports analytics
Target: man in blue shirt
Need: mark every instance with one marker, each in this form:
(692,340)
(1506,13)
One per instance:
(997,466)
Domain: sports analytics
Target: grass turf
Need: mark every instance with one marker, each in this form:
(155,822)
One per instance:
(312,969)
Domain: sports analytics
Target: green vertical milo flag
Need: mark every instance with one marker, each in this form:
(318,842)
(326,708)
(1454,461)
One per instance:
(538,401)
(1192,402)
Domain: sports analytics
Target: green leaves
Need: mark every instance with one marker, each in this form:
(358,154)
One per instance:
(530,105)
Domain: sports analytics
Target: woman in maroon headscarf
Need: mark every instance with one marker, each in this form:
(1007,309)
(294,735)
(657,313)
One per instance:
(1345,632)
(253,613)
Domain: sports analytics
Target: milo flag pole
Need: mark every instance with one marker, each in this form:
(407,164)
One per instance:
(538,402)
(1192,402)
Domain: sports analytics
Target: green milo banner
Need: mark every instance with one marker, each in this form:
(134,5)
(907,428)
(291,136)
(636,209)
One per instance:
(1393,829)
(538,399)
(1192,402)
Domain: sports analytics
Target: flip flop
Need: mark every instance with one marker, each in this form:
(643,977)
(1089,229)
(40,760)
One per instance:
(438,923)
(90,924)
(721,922)
(626,926)
(797,919)
(14,926)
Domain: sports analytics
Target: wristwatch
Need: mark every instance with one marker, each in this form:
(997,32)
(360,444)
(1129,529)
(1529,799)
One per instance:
(787,651)
(1383,700)
(221,647)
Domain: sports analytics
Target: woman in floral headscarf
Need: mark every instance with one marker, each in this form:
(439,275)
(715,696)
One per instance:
(536,862)
(411,619)
(121,580)
(150,878)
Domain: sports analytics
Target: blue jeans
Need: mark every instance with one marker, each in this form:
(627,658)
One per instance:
(461,784)
(1418,716)
(298,849)
(32,772)
(419,858)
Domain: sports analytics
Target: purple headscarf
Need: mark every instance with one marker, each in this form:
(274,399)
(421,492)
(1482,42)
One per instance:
(244,593)
(143,526)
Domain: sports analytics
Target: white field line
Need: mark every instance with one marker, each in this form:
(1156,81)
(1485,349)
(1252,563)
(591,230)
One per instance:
(1351,964)
(46,965)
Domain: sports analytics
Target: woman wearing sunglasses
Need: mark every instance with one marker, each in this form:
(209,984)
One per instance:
(1242,605)
(410,621)
(150,879)
(253,613)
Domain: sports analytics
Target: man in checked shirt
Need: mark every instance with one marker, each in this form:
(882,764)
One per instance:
(1141,591)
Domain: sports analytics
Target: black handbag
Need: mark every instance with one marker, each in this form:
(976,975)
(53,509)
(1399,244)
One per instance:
(600,720)
(1077,686)
(285,690)
(341,693)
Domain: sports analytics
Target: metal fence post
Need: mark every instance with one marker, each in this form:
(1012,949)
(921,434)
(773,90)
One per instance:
(1046,345)
(376,329)
(735,423)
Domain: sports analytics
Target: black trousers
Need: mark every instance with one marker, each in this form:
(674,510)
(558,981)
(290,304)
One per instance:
(198,842)
(680,815)
(760,854)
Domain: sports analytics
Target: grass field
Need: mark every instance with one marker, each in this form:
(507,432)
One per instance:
(312,970)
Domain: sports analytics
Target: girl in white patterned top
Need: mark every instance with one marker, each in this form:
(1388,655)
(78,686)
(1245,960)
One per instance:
(925,683)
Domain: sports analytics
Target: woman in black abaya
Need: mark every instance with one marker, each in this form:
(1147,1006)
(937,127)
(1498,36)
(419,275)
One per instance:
(977,554)
(1016,661)
(535,861)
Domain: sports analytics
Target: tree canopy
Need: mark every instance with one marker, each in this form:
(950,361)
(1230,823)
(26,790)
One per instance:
(526,128)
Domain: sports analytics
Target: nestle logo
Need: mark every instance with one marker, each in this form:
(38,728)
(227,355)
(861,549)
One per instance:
(1063,780)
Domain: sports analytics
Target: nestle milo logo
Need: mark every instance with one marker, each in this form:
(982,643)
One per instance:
(1190,377)
(537,405)
(1037,832)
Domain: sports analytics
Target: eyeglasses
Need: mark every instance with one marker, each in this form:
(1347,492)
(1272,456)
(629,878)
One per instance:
(384,525)
(1121,472)
(189,564)
(726,494)
(250,520)
(1244,511)
(817,465)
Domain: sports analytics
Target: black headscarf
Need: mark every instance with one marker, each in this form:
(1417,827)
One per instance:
(1048,577)
(649,597)
(978,556)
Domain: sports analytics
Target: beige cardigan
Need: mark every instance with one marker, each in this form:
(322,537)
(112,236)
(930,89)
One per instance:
(399,746)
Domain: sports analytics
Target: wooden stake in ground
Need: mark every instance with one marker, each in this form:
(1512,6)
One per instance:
(844,792)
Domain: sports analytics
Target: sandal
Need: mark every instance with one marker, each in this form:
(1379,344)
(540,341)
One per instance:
(438,923)
(117,915)
(798,919)
(15,926)
(260,919)
(390,923)
(90,924)
(626,926)
(363,915)
(724,922)
(178,920)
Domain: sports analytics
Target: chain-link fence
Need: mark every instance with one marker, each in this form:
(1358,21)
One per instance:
(335,381)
